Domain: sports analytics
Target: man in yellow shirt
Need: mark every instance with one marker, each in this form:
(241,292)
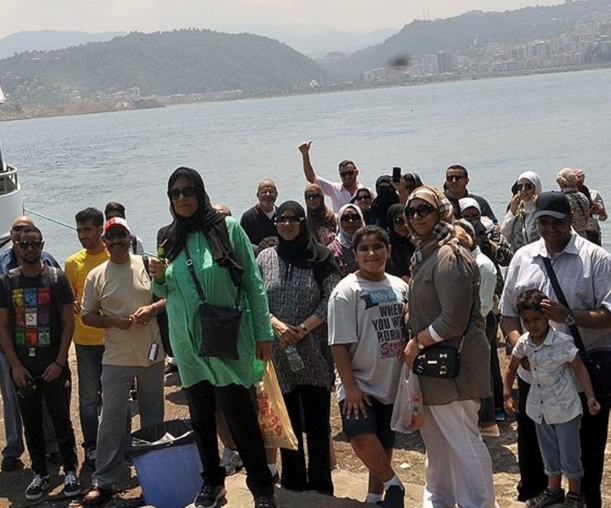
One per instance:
(89,342)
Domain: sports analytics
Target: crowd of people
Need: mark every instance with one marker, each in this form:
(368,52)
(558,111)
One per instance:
(405,275)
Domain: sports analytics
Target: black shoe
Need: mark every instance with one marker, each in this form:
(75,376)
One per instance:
(90,456)
(394,497)
(265,501)
(37,487)
(54,458)
(209,495)
(11,464)
(546,498)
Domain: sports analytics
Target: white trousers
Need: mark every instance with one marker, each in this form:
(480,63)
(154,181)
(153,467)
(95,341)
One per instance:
(458,465)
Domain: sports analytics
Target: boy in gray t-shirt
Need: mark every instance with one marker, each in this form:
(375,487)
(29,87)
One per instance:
(365,313)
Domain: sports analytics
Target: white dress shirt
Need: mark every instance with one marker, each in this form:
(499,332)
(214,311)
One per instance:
(339,195)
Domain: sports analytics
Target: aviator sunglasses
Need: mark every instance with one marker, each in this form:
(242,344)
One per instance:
(187,192)
(455,178)
(25,245)
(345,174)
(423,210)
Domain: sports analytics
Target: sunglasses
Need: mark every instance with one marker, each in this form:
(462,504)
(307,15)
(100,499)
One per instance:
(187,192)
(525,186)
(24,245)
(350,217)
(455,178)
(18,227)
(290,220)
(312,197)
(345,174)
(399,221)
(119,235)
(423,210)
(363,197)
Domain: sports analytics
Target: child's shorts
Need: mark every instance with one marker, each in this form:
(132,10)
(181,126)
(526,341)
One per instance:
(377,422)
(561,448)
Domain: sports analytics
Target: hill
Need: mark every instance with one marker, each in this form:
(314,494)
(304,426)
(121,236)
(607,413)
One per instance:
(472,31)
(163,63)
(45,40)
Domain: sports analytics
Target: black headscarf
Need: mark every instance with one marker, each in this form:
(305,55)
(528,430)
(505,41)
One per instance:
(415,178)
(304,251)
(205,219)
(402,248)
(386,197)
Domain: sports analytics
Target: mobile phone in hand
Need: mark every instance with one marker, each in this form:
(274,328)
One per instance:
(396,174)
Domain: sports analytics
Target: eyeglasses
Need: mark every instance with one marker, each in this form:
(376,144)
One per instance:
(346,174)
(525,186)
(312,197)
(268,192)
(350,217)
(25,245)
(119,235)
(399,221)
(17,227)
(422,210)
(363,197)
(455,178)
(187,192)
(292,219)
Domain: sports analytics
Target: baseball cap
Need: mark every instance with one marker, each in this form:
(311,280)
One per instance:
(116,221)
(554,204)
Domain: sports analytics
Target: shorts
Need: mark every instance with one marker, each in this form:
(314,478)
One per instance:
(561,448)
(377,422)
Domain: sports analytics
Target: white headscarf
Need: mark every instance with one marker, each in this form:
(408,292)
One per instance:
(533,178)
(344,238)
(469,203)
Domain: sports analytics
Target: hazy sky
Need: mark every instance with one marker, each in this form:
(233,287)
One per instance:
(297,16)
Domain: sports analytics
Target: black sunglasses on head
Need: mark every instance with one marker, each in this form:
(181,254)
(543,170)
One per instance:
(422,210)
(187,192)
(25,245)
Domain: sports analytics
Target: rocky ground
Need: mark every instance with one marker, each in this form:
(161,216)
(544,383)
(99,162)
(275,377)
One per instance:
(350,477)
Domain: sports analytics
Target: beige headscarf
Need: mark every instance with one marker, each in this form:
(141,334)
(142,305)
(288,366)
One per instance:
(568,177)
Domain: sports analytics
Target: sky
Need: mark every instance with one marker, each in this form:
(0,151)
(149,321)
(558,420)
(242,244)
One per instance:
(302,17)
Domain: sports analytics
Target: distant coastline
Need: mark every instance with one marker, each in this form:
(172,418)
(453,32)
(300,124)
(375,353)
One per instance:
(31,111)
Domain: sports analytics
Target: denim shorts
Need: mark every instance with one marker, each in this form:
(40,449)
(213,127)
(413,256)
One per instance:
(561,448)
(377,422)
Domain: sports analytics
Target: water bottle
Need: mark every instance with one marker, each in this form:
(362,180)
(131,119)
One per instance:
(295,361)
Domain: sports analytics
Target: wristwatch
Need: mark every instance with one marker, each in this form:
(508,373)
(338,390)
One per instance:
(420,345)
(570,319)
(304,328)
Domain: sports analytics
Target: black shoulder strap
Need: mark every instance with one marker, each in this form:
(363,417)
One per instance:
(562,299)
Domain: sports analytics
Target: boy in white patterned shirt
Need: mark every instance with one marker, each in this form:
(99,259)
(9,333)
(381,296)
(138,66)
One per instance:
(553,401)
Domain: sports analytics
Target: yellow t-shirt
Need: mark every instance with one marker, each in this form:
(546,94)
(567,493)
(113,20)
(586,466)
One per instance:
(77,267)
(118,291)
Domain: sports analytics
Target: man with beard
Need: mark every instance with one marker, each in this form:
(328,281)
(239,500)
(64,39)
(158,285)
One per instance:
(88,342)
(258,222)
(457,179)
(36,326)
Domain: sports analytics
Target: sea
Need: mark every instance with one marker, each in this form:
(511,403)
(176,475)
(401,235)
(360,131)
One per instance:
(497,128)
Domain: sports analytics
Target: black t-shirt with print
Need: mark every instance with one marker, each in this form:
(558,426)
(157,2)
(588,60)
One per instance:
(34,305)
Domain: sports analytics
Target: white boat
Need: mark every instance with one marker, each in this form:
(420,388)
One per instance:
(11,205)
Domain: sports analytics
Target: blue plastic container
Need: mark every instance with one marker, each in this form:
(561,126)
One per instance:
(168,474)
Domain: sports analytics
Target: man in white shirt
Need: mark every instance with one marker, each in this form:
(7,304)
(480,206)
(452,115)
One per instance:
(340,193)
(584,273)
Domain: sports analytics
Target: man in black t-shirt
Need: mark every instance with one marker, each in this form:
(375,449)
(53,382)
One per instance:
(258,221)
(36,327)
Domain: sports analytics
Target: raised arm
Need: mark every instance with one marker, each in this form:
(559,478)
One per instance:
(308,170)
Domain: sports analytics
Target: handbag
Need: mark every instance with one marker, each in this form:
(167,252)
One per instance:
(220,325)
(598,363)
(439,361)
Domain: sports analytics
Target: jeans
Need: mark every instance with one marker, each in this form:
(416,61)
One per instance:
(560,448)
(237,403)
(316,404)
(89,364)
(56,395)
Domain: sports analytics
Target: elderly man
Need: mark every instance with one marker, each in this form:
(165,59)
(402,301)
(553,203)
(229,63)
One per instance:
(258,222)
(340,193)
(118,298)
(583,273)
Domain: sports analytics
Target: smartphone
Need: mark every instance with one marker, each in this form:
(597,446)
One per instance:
(396,174)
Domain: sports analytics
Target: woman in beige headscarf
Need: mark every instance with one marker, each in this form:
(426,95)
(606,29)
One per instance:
(568,180)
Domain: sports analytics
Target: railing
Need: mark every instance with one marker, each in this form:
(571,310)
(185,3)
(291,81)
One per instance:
(8,180)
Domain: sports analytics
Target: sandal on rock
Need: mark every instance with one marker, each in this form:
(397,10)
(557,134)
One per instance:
(97,496)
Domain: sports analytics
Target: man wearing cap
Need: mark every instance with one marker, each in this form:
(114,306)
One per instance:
(118,298)
(583,270)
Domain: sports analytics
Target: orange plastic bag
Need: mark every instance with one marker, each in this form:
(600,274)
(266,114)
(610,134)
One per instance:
(274,420)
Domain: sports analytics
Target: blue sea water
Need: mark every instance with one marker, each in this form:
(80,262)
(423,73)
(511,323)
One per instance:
(497,128)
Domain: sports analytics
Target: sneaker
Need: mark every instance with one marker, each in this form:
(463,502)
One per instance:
(265,501)
(11,464)
(72,486)
(546,498)
(209,495)
(574,500)
(394,497)
(37,487)
(231,461)
(499,415)
(90,456)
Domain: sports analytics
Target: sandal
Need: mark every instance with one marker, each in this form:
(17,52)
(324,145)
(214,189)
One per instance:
(97,496)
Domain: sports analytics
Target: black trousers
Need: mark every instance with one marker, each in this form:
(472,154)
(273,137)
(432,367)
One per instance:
(56,395)
(316,404)
(495,367)
(238,405)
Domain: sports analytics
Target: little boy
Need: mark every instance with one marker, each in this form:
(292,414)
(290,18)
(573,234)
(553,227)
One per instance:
(365,314)
(553,400)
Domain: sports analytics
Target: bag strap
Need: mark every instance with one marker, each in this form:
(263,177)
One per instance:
(562,299)
(198,286)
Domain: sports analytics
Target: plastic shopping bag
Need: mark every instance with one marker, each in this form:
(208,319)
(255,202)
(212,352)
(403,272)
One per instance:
(407,410)
(274,420)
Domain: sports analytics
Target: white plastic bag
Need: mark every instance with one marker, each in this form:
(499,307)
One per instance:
(407,410)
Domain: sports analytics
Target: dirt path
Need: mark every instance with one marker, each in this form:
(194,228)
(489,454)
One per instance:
(350,479)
